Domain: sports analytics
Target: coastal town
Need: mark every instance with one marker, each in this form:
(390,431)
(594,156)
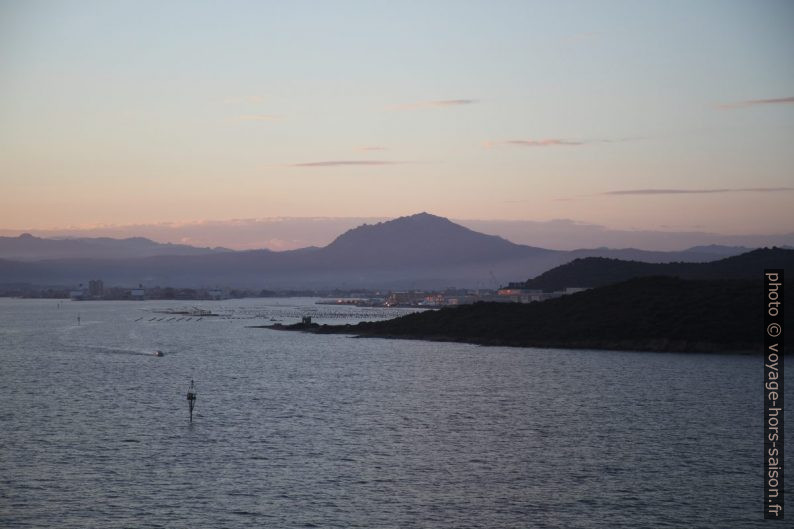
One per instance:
(95,290)
(513,293)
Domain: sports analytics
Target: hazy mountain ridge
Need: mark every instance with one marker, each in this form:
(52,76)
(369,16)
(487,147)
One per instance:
(289,233)
(27,247)
(649,256)
(418,251)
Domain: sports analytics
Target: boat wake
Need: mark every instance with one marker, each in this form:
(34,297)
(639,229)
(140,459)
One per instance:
(119,351)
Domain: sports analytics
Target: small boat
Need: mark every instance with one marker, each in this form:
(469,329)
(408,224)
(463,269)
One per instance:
(158,353)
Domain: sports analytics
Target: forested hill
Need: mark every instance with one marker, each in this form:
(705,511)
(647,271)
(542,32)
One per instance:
(598,271)
(644,314)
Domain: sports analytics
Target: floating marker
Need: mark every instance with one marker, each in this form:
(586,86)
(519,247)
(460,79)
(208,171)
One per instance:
(191,398)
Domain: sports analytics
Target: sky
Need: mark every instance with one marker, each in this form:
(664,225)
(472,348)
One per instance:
(673,115)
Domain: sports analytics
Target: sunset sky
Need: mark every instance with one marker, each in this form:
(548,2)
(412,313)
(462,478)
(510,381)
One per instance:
(632,115)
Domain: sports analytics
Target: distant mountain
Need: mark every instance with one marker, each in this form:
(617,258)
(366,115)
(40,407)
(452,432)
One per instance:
(647,256)
(719,249)
(643,314)
(416,252)
(598,271)
(423,238)
(26,247)
(566,234)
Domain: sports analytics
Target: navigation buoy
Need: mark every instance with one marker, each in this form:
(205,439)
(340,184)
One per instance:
(191,398)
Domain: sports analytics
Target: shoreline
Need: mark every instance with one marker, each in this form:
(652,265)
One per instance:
(650,345)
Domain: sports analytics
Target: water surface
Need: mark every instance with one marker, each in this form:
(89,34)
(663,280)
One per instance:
(303,430)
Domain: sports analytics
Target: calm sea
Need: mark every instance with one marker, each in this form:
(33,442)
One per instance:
(298,430)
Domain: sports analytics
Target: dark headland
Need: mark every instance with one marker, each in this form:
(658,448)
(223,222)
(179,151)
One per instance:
(657,313)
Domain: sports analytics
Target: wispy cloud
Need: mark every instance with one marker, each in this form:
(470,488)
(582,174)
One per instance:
(547,142)
(259,117)
(443,103)
(757,102)
(343,163)
(697,191)
(553,142)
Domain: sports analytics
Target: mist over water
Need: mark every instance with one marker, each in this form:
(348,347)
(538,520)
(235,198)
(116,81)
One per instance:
(301,430)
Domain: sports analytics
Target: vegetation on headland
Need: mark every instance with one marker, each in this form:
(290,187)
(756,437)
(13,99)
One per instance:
(591,272)
(643,314)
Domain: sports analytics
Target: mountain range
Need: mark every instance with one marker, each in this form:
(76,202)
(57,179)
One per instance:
(418,251)
(26,247)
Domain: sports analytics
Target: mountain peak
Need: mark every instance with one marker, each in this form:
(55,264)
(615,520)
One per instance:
(424,219)
(415,226)
(424,216)
(431,238)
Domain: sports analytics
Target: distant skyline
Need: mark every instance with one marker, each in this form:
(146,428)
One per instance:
(655,116)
